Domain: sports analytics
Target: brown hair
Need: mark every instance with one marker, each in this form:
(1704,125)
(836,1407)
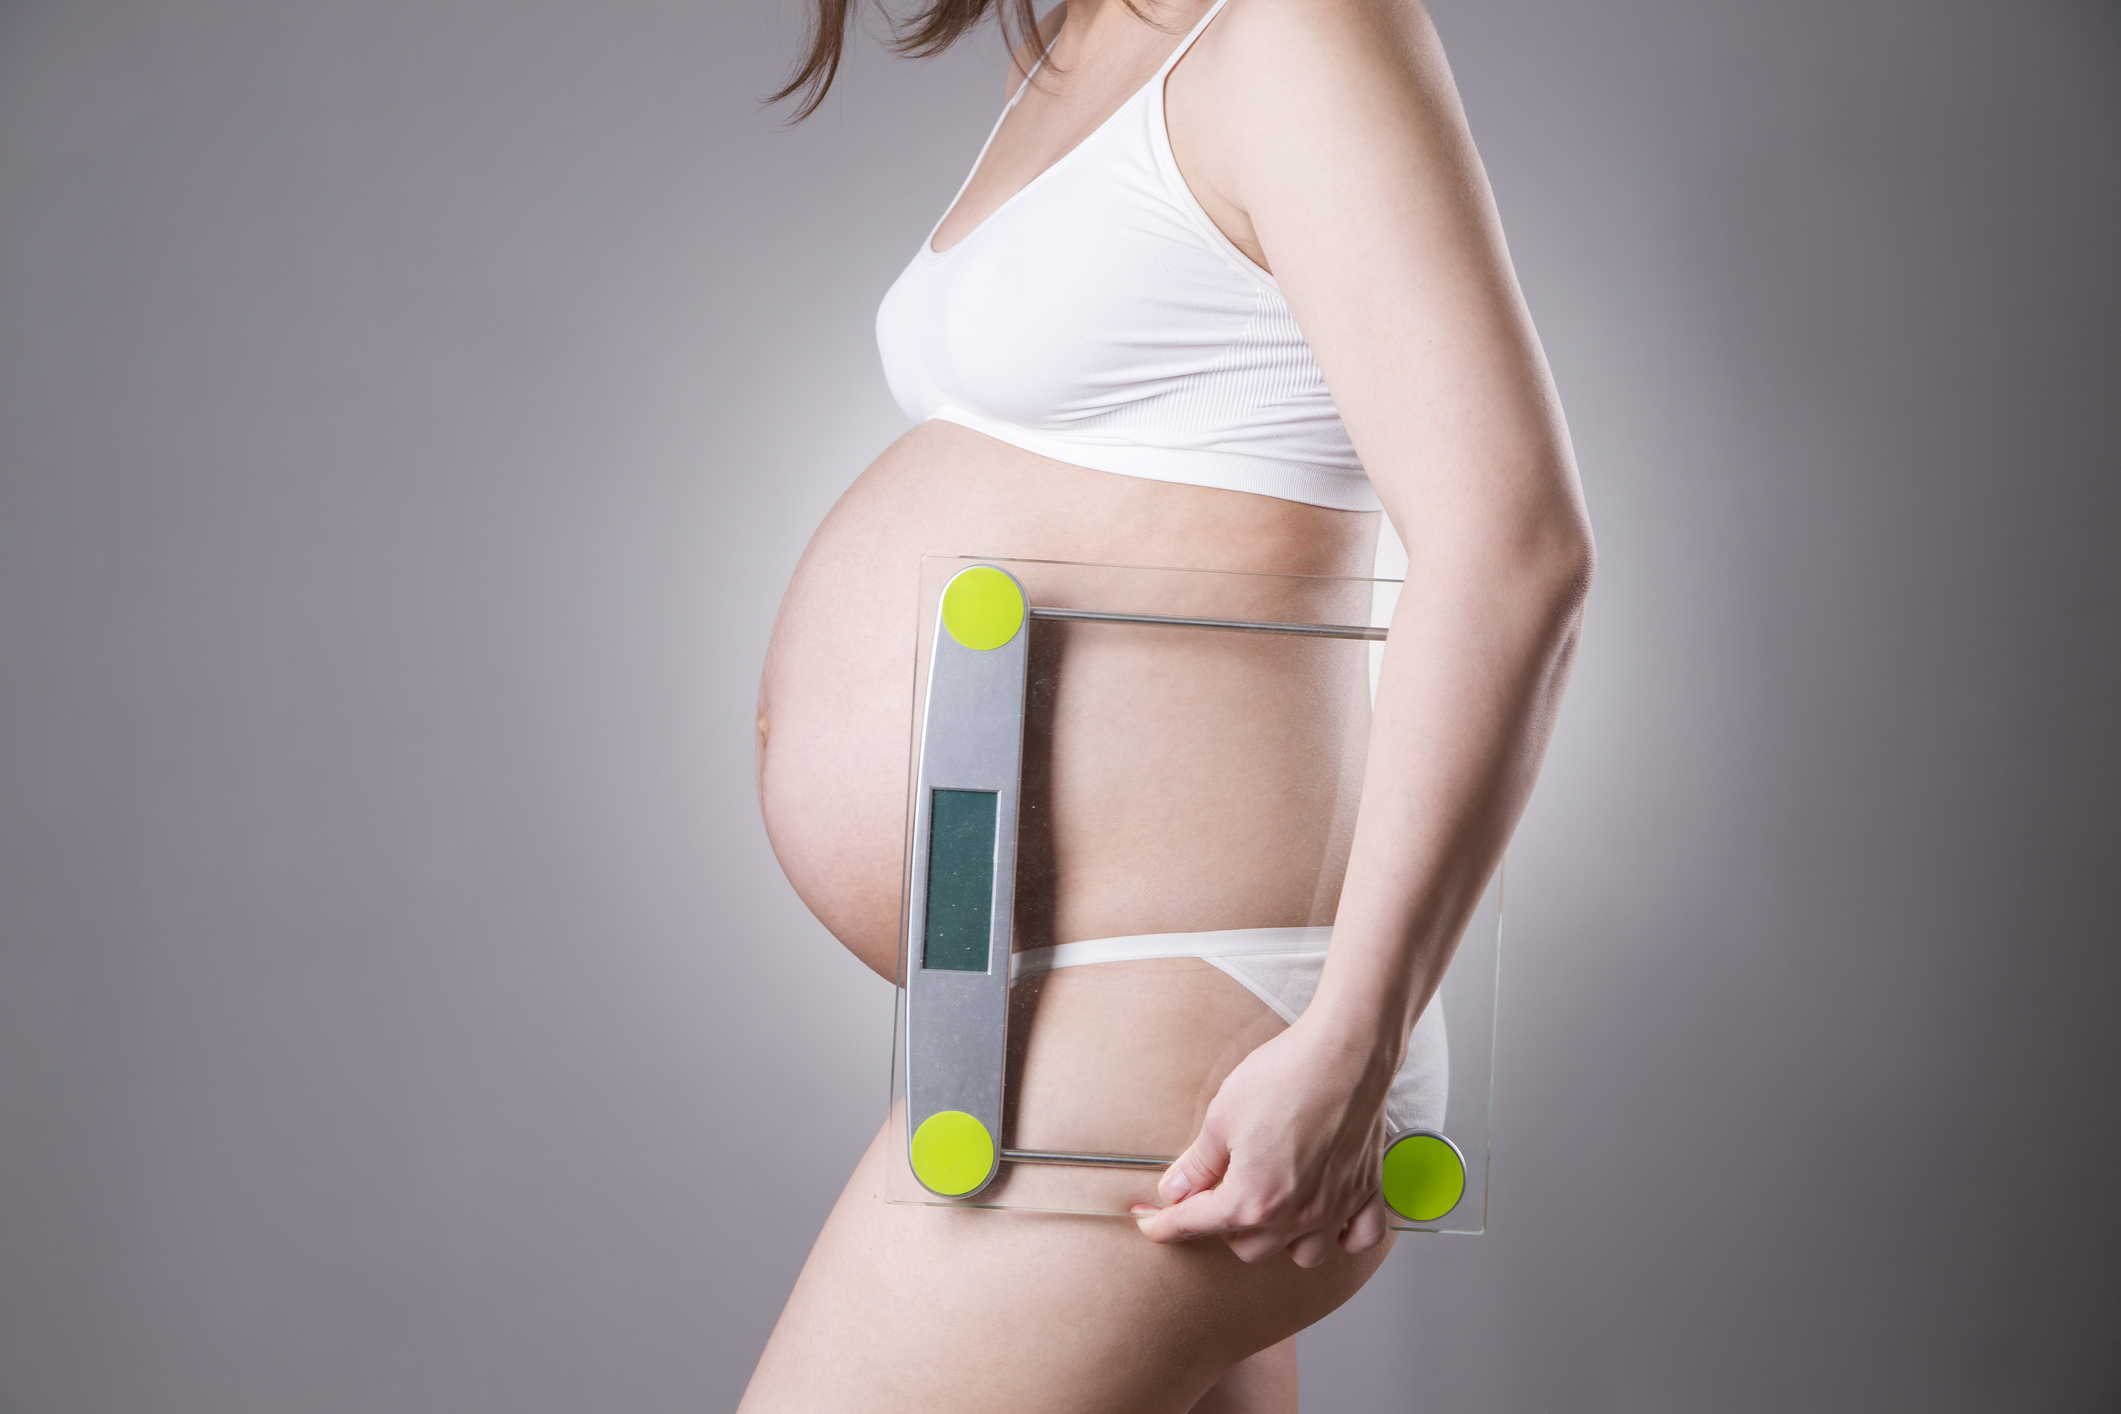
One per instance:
(928,33)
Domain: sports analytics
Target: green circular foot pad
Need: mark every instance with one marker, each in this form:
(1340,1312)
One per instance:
(1425,1176)
(983,608)
(952,1153)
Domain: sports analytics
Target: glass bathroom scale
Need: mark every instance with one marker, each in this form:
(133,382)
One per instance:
(1130,801)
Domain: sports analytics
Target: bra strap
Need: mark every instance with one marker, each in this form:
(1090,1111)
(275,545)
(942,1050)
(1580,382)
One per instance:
(1187,43)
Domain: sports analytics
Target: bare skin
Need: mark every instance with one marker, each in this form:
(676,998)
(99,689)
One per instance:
(1325,139)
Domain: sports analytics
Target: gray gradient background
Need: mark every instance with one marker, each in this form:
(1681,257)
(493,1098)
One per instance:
(410,413)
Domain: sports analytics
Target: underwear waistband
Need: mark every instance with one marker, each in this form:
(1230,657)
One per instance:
(1142,947)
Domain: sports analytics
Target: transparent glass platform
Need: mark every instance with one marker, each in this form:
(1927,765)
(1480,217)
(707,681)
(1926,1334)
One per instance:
(1142,765)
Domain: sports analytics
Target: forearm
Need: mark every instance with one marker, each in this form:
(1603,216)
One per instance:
(1480,649)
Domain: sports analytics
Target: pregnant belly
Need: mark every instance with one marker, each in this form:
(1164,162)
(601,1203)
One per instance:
(1200,781)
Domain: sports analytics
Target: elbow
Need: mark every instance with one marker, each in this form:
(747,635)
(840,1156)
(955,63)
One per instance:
(1545,562)
(1520,537)
(1566,563)
(1558,576)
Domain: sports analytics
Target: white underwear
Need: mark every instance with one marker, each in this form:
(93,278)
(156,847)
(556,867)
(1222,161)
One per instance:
(1281,967)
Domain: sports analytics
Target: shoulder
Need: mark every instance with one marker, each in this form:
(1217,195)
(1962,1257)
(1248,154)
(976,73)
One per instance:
(1313,30)
(1294,93)
(1298,56)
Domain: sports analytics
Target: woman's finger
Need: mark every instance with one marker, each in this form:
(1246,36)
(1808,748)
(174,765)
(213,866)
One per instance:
(1367,1228)
(1202,1215)
(1257,1244)
(1197,1170)
(1312,1248)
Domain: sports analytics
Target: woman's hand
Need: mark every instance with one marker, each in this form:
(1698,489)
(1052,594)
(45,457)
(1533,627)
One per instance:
(1288,1156)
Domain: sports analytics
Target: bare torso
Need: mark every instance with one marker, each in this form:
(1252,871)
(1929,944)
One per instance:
(834,705)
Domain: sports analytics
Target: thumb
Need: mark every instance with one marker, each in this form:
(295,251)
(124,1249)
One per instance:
(1197,1170)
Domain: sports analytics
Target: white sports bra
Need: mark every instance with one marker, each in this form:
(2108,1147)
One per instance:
(1098,317)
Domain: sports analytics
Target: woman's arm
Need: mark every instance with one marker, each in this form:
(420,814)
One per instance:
(1326,138)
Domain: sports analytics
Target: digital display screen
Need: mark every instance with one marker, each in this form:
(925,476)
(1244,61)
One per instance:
(960,880)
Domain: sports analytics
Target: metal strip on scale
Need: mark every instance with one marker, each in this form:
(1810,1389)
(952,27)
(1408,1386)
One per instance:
(964,882)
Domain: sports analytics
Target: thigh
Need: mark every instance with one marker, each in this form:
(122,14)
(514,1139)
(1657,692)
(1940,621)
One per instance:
(941,1309)
(1261,1384)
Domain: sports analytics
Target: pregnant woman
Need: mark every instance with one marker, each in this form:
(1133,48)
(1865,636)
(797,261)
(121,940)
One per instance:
(1226,281)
